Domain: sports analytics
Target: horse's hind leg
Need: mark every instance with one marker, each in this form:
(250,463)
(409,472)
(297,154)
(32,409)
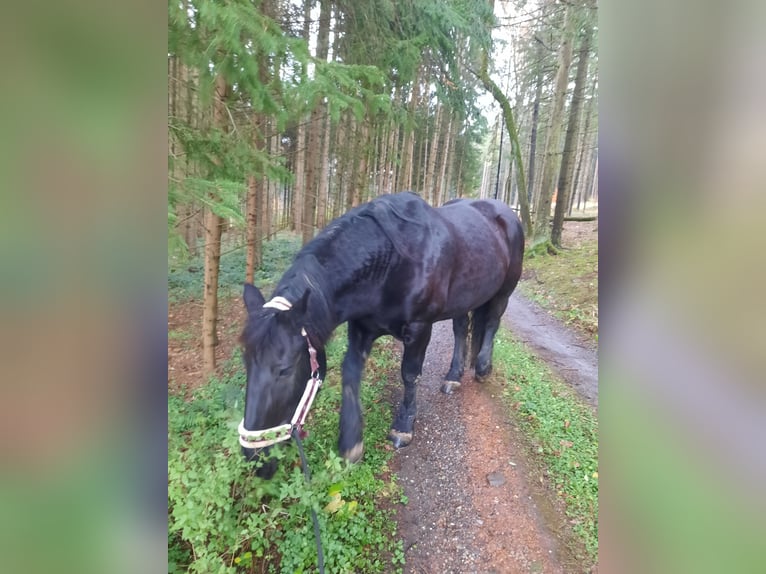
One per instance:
(495,308)
(416,340)
(460,330)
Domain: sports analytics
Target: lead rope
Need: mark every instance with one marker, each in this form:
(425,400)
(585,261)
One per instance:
(314,519)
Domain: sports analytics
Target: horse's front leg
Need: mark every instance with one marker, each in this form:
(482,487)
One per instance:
(350,443)
(416,338)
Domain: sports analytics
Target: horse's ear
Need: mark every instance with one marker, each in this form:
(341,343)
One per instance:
(253,298)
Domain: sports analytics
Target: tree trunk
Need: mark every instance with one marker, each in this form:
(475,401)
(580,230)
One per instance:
(314,155)
(541,231)
(380,175)
(459,192)
(584,144)
(428,188)
(573,129)
(299,185)
(533,135)
(446,196)
(324,175)
(393,156)
(360,182)
(213,231)
(510,125)
(441,183)
(408,149)
(251,230)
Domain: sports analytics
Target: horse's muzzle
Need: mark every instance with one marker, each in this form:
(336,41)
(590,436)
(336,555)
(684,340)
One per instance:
(265,465)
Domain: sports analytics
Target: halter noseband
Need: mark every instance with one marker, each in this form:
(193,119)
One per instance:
(271,436)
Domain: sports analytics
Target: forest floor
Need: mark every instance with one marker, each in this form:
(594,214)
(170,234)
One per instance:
(477,498)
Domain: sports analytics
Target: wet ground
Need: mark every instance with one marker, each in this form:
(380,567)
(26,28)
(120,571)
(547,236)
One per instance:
(476,504)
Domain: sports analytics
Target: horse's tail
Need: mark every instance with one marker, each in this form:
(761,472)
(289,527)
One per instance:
(477,322)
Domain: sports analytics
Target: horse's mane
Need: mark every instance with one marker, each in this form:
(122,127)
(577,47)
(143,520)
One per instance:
(312,268)
(390,213)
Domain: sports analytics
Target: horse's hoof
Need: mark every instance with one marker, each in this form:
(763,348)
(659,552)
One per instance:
(483,377)
(400,439)
(448,387)
(355,453)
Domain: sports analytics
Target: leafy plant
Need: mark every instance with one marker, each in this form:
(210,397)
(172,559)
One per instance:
(224,519)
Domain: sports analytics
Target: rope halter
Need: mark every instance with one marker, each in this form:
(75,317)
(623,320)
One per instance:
(273,435)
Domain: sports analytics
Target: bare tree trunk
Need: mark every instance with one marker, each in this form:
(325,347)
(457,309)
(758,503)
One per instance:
(593,192)
(352,154)
(299,185)
(314,155)
(383,160)
(446,196)
(251,230)
(541,230)
(360,182)
(279,219)
(393,156)
(573,128)
(459,191)
(584,143)
(440,183)
(510,125)
(255,204)
(324,176)
(408,149)
(428,188)
(533,135)
(345,136)
(213,231)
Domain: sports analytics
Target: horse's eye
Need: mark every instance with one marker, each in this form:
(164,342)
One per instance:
(286,371)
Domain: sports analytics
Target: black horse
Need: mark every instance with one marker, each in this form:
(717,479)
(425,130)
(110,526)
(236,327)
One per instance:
(392,266)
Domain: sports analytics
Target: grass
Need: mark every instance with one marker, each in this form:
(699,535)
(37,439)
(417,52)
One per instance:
(562,430)
(179,335)
(566,284)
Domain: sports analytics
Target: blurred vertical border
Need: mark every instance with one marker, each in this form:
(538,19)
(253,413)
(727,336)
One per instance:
(682,401)
(83,418)
(83,291)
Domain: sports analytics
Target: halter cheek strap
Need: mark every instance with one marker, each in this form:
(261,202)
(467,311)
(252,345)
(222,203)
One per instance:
(271,436)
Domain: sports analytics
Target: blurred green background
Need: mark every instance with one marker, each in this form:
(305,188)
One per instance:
(83,245)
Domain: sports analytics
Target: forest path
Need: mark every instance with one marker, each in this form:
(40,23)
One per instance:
(475,501)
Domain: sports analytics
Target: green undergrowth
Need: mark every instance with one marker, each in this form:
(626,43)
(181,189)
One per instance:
(562,430)
(224,519)
(185,276)
(565,283)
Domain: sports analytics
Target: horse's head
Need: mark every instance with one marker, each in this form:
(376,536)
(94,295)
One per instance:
(277,364)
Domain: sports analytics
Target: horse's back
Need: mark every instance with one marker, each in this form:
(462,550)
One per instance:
(478,220)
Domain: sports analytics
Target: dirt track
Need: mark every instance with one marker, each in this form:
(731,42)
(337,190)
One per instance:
(456,521)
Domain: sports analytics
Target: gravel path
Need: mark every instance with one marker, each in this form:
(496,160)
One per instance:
(476,504)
